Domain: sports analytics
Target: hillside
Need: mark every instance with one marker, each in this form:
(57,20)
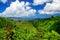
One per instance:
(44,29)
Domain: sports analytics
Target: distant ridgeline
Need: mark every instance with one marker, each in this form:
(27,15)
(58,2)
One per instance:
(20,18)
(41,16)
(38,29)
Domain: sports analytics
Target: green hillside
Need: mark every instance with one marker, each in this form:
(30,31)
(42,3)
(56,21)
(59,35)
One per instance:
(44,29)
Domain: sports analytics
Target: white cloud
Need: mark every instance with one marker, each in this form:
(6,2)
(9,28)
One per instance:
(19,9)
(51,8)
(4,1)
(40,2)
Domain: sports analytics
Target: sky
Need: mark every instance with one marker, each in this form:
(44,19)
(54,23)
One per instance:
(29,8)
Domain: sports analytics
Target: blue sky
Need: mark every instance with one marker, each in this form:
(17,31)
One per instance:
(29,8)
(7,4)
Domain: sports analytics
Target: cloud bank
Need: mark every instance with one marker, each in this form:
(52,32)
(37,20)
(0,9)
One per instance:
(40,2)
(23,9)
(51,8)
(19,9)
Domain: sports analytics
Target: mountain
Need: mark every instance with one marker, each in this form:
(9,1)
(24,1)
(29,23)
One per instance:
(38,29)
(40,16)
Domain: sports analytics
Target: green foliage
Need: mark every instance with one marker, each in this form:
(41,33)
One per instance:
(44,29)
(23,33)
(52,35)
(56,26)
(2,34)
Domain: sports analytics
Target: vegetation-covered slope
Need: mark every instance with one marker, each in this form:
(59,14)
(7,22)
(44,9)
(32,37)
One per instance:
(44,29)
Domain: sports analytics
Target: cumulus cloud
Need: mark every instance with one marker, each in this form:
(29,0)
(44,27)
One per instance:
(51,8)
(40,2)
(4,1)
(19,9)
